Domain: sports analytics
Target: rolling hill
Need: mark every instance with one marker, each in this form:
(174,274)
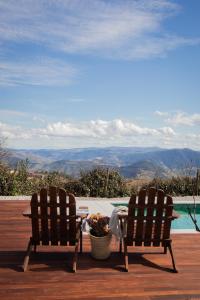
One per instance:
(130,161)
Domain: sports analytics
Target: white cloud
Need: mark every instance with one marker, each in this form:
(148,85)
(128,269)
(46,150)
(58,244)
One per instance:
(94,129)
(97,133)
(43,71)
(102,129)
(161,113)
(149,47)
(167,131)
(38,119)
(20,117)
(13,132)
(12,113)
(180,118)
(122,29)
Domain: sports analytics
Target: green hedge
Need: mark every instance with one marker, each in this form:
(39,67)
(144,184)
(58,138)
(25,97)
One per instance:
(176,186)
(104,182)
(99,182)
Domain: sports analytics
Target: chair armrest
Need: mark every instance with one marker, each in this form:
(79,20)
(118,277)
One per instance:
(27,212)
(175,215)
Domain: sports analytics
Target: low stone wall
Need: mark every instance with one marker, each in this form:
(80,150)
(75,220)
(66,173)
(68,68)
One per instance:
(109,200)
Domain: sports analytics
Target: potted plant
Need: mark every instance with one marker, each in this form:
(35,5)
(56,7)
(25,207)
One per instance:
(100,235)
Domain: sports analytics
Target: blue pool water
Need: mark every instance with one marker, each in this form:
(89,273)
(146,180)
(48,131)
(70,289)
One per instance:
(184,221)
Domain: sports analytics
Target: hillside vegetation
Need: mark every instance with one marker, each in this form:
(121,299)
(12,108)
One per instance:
(99,182)
(130,162)
(96,172)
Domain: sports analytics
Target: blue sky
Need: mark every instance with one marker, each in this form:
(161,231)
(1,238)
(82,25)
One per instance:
(81,73)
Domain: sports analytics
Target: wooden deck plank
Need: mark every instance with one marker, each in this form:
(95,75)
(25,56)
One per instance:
(49,276)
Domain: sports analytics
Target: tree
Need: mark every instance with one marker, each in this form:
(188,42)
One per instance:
(3,150)
(22,186)
(6,180)
(6,177)
(104,182)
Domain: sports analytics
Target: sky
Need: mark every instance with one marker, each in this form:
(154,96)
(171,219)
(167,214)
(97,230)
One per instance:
(98,73)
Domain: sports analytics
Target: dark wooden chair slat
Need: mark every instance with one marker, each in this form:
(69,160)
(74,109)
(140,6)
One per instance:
(35,220)
(131,222)
(72,220)
(53,216)
(44,217)
(168,213)
(159,215)
(64,233)
(140,228)
(149,220)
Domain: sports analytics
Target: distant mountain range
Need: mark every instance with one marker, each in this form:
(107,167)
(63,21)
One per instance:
(130,161)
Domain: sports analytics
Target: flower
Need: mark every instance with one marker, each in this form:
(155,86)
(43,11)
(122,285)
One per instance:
(98,224)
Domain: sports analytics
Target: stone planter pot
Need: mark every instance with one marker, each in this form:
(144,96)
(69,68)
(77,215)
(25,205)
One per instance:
(100,246)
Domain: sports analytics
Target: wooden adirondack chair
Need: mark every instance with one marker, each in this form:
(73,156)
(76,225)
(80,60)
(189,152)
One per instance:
(54,221)
(149,222)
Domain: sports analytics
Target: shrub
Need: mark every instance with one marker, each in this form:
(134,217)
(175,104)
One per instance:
(52,179)
(77,188)
(175,186)
(19,181)
(103,182)
(6,180)
(22,186)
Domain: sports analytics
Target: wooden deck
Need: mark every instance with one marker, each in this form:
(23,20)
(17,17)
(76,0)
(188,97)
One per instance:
(49,275)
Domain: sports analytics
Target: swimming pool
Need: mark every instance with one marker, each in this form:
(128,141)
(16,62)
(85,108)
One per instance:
(184,223)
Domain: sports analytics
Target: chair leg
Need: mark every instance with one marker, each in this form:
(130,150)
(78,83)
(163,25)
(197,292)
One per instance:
(120,245)
(28,252)
(125,256)
(172,257)
(81,241)
(165,250)
(35,248)
(120,241)
(75,257)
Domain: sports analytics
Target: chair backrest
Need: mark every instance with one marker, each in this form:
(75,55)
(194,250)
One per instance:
(149,218)
(53,214)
